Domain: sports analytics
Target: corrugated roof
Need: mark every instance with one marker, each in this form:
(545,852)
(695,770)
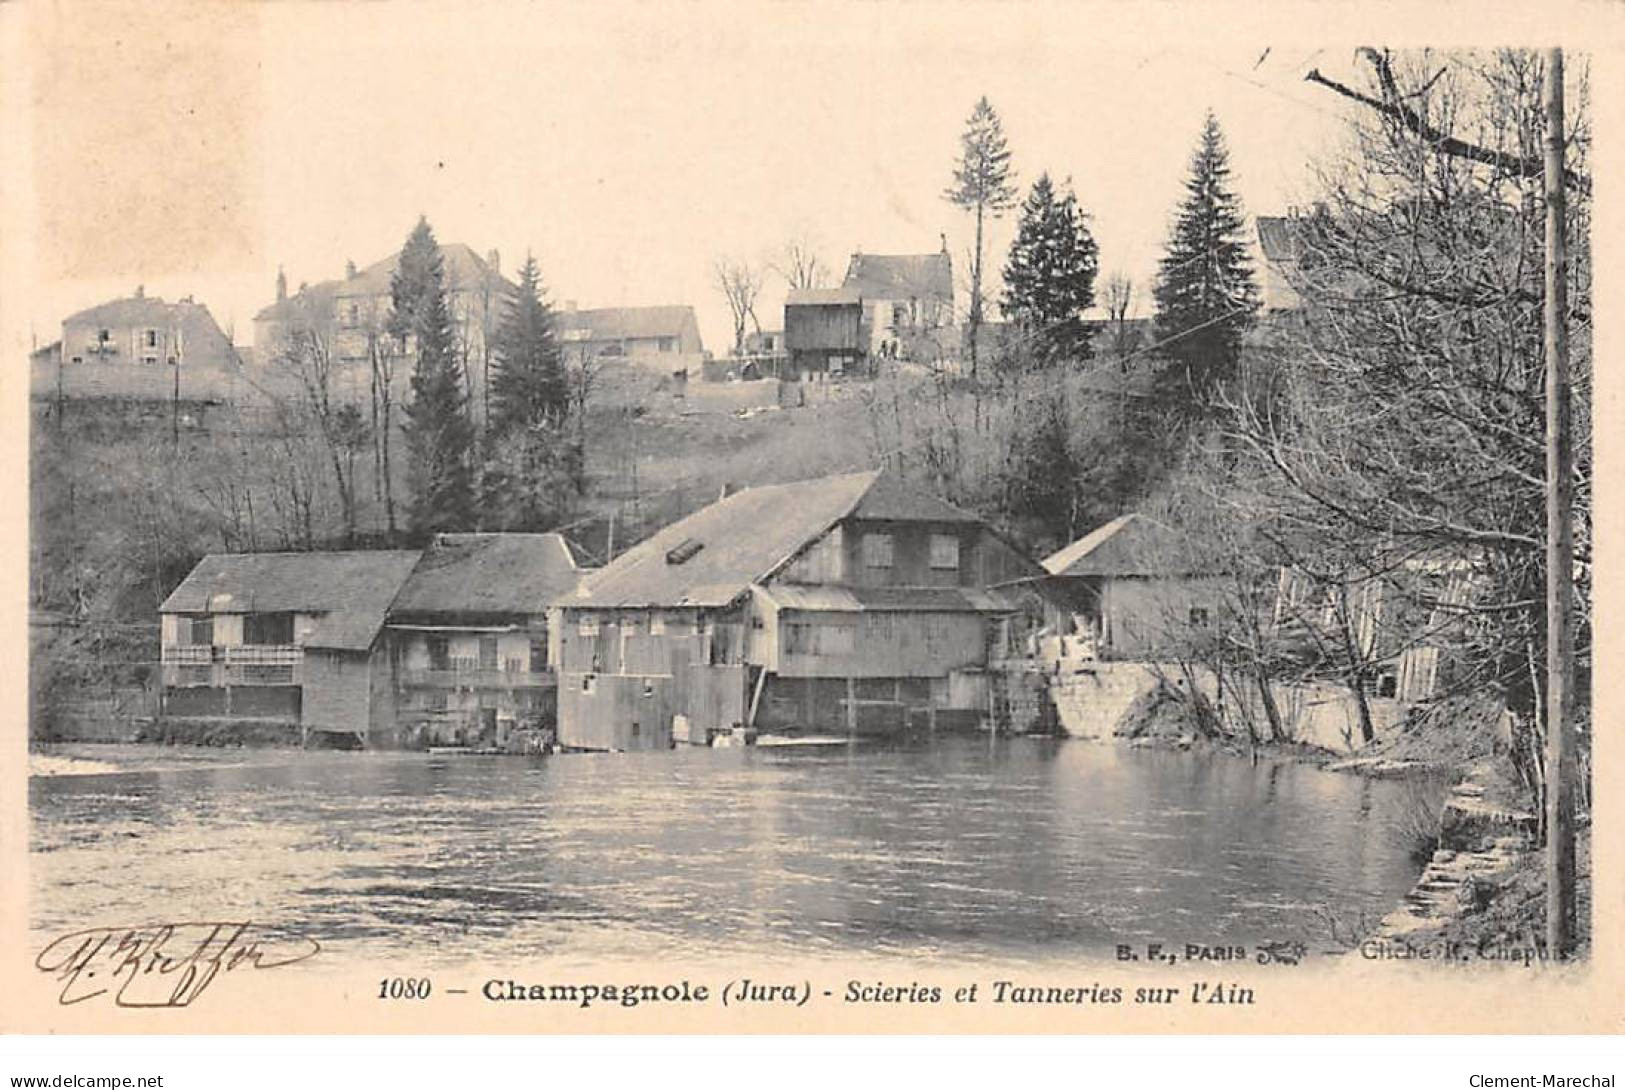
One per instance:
(624,323)
(350,591)
(1129,545)
(901,276)
(845,599)
(488,573)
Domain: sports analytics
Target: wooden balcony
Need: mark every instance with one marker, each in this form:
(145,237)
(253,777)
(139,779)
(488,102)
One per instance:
(249,664)
(461,677)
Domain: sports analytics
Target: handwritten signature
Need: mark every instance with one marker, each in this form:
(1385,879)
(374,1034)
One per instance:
(165,964)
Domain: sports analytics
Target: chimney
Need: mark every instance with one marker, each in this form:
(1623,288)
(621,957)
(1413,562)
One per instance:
(494,260)
(349,270)
(569,306)
(141,291)
(944,236)
(728,489)
(281,285)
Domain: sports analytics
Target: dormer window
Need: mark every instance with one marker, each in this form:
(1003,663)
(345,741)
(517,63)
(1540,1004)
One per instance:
(683,551)
(944,552)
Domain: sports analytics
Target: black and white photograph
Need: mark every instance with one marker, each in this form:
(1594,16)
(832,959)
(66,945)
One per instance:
(852,509)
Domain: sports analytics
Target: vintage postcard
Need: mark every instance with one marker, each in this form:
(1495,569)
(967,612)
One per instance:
(797,518)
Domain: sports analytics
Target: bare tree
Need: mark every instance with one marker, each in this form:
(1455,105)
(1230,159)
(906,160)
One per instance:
(1118,296)
(801,266)
(740,284)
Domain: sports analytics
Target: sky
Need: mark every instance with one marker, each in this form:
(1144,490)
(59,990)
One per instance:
(626,147)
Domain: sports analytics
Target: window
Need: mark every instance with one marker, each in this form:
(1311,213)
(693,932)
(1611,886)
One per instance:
(668,344)
(588,625)
(151,361)
(150,338)
(1198,617)
(103,336)
(263,628)
(199,632)
(538,656)
(657,624)
(77,359)
(589,684)
(488,652)
(944,552)
(439,653)
(877,550)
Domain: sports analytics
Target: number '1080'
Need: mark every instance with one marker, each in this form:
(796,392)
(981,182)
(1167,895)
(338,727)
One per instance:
(397,987)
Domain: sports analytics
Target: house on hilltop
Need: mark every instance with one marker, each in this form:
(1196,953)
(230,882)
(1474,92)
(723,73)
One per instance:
(351,313)
(468,637)
(908,303)
(853,603)
(139,348)
(664,336)
(284,639)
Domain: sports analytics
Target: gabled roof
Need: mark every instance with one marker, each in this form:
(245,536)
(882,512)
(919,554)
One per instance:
(890,497)
(901,276)
(823,297)
(488,574)
(136,310)
(627,323)
(1129,545)
(311,300)
(1278,238)
(462,268)
(742,539)
(349,591)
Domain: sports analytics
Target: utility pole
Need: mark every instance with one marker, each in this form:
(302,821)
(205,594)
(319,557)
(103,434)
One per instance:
(1560,763)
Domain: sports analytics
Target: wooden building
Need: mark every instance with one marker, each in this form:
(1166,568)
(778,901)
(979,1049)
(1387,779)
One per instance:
(288,639)
(825,334)
(1132,588)
(842,604)
(467,637)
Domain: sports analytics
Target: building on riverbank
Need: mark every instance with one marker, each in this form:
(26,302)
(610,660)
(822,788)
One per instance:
(845,604)
(1132,588)
(467,636)
(283,640)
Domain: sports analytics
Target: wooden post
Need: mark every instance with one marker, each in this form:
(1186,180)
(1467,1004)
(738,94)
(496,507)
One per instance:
(1560,763)
(851,706)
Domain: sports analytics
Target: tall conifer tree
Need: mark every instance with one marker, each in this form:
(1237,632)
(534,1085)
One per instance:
(1049,278)
(439,433)
(530,459)
(984,185)
(1206,294)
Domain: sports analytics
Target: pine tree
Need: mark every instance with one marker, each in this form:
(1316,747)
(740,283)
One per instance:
(1049,278)
(985,185)
(1206,294)
(528,385)
(530,460)
(439,433)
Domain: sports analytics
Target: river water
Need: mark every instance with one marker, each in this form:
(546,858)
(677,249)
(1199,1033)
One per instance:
(963,848)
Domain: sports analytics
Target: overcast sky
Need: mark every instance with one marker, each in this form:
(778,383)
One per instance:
(627,149)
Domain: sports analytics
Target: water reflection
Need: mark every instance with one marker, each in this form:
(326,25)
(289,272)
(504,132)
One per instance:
(958,847)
